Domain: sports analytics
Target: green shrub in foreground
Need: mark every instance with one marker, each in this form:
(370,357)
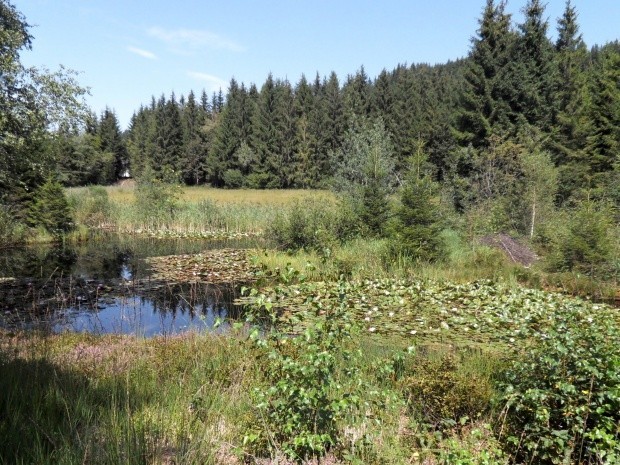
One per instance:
(562,398)
(312,386)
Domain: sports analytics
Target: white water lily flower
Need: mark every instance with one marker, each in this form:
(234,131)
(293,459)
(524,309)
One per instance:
(372,329)
(391,314)
(413,331)
(367,318)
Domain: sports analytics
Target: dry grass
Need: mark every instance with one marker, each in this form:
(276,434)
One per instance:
(125,194)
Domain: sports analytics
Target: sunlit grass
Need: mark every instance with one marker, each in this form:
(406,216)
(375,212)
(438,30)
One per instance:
(124,194)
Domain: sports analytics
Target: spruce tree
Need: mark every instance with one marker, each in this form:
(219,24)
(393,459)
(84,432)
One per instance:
(50,209)
(357,95)
(531,71)
(112,141)
(168,140)
(484,109)
(603,140)
(417,229)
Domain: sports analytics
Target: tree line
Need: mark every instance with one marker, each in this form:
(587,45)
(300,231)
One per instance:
(521,125)
(516,86)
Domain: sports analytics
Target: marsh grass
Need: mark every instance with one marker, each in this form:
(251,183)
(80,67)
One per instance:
(79,398)
(197,210)
(109,400)
(363,258)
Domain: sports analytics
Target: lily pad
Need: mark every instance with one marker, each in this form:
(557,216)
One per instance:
(222,266)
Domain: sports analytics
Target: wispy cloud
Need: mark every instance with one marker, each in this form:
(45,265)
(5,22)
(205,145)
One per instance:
(214,83)
(142,53)
(194,39)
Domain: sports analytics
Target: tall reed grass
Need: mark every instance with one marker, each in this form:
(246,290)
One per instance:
(195,210)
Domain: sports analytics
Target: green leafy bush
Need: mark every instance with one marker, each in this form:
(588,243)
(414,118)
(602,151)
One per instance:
(11,230)
(156,200)
(310,225)
(312,383)
(562,396)
(233,179)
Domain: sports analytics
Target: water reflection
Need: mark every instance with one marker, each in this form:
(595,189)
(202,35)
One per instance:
(106,287)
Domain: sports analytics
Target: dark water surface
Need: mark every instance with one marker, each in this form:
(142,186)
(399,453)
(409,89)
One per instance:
(105,286)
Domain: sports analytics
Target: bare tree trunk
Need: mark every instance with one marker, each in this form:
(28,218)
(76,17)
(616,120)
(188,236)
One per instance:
(533,219)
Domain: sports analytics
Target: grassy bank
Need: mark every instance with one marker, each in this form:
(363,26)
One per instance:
(188,211)
(375,371)
(72,399)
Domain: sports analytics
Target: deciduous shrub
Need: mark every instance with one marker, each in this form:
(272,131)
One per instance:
(311,225)
(562,396)
(312,383)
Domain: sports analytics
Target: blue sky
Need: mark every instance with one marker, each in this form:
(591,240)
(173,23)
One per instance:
(128,51)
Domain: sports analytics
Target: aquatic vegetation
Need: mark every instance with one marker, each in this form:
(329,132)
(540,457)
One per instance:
(425,310)
(216,266)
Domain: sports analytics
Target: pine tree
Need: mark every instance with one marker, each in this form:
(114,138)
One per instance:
(531,71)
(417,229)
(194,149)
(483,106)
(168,140)
(364,167)
(603,140)
(357,95)
(307,165)
(112,141)
(141,140)
(50,209)
(570,120)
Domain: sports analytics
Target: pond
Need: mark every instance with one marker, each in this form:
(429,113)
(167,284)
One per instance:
(109,285)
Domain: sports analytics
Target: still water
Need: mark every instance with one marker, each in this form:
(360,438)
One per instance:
(105,286)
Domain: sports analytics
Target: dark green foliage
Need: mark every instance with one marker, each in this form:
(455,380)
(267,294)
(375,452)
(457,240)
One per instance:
(417,225)
(31,101)
(603,140)
(586,245)
(530,73)
(483,108)
(312,225)
(50,209)
(233,179)
(561,397)
(375,213)
(111,141)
